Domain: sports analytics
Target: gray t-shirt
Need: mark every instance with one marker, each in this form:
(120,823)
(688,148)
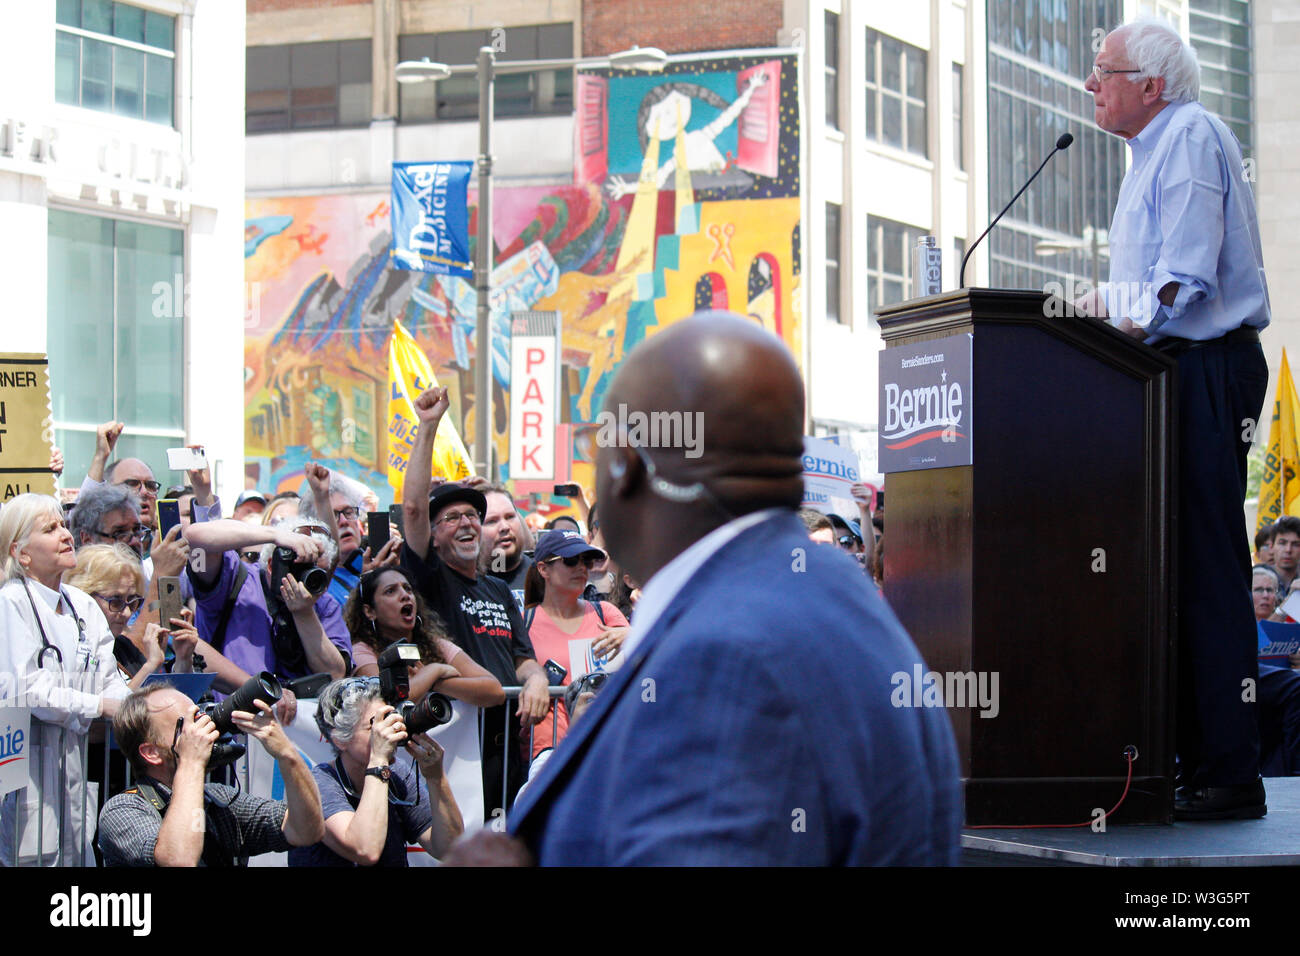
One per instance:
(405,824)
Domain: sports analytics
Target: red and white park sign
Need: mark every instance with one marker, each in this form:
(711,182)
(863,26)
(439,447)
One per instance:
(534,395)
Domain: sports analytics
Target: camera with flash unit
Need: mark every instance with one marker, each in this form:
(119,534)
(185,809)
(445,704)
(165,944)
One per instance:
(433,710)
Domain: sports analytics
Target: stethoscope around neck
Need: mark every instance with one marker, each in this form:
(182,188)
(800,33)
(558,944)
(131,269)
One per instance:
(46,646)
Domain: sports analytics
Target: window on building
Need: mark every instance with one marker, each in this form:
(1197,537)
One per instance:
(889,261)
(896,93)
(832,70)
(307,86)
(958,110)
(1220,32)
(833,253)
(117,334)
(540,92)
(115,58)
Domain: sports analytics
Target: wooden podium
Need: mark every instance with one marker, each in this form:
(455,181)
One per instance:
(1048,557)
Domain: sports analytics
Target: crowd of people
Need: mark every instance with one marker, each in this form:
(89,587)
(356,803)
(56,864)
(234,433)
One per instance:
(294,586)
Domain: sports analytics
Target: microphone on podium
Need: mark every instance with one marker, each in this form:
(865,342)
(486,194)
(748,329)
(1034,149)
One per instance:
(1062,142)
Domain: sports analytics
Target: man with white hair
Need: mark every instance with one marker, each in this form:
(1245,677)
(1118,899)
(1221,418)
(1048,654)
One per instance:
(1187,277)
(347,499)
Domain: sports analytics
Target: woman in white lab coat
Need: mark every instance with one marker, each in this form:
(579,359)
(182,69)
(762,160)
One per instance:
(56,658)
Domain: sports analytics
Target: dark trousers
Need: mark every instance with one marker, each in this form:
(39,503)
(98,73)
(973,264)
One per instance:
(1221,394)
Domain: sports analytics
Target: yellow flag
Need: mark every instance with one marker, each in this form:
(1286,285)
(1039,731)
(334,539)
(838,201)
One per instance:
(409,374)
(1279,489)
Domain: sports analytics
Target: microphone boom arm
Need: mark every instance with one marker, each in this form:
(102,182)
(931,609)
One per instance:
(961,282)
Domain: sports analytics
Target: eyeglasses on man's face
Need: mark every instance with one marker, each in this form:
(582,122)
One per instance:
(346,514)
(453,518)
(125,535)
(1100,74)
(138,485)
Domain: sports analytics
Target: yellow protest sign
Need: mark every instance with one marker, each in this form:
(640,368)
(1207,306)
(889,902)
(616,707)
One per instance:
(26,425)
(409,374)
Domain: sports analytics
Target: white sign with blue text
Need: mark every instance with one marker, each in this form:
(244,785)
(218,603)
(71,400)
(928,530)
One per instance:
(829,471)
(15,728)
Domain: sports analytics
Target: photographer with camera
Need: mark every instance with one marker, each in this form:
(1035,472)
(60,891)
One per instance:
(170,745)
(276,616)
(373,804)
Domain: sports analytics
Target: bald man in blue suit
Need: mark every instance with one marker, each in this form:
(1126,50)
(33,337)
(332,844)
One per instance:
(751,720)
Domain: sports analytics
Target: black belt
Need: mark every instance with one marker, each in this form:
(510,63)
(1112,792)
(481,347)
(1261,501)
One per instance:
(1240,336)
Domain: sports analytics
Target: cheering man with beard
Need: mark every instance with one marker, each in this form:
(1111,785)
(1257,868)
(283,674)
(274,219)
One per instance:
(505,539)
(441,552)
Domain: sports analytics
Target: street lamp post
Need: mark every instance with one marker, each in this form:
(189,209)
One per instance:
(483,265)
(415,71)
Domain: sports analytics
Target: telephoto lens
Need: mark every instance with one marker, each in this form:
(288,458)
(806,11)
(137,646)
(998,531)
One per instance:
(263,687)
(433,711)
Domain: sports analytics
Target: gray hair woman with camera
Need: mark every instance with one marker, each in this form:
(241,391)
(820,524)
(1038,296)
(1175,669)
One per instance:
(373,803)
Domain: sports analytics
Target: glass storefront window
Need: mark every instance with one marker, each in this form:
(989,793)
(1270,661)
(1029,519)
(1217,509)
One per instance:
(116,340)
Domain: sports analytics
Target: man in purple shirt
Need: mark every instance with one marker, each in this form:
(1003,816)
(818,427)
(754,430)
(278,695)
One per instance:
(249,636)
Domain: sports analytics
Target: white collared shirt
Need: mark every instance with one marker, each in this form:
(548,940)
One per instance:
(1186,215)
(661,589)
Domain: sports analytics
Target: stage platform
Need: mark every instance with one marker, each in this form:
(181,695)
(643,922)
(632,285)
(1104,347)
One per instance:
(1271,841)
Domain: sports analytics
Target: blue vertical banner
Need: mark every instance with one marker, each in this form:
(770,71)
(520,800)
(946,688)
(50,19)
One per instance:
(431,217)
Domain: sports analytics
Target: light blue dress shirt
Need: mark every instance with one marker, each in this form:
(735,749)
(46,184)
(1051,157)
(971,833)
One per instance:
(1186,214)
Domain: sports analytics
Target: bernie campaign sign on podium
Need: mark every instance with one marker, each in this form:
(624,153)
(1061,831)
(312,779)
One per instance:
(431,218)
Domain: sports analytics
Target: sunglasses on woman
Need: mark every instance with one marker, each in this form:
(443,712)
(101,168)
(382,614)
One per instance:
(116,603)
(588,560)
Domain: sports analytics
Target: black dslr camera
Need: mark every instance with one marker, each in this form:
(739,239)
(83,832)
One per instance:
(225,751)
(285,642)
(395,687)
(285,561)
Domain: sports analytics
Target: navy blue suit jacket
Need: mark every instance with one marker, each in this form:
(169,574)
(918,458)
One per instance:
(753,725)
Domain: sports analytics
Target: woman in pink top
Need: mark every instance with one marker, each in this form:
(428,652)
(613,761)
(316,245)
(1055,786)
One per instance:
(556,615)
(385,608)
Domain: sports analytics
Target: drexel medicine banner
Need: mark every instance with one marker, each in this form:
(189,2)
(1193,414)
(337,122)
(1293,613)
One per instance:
(430,218)
(925,405)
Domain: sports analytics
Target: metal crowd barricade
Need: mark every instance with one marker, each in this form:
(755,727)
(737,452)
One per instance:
(511,706)
(68,797)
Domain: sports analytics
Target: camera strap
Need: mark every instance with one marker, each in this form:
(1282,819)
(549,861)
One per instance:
(286,645)
(228,608)
(214,854)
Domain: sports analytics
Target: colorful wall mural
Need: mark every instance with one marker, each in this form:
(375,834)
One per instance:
(685,196)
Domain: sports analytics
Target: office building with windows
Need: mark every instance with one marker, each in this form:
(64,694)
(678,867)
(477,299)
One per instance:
(325,112)
(121,190)
(897,150)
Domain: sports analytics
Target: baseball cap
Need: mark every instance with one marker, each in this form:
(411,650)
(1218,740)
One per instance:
(562,544)
(252,494)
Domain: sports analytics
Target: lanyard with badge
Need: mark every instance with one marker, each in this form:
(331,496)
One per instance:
(85,660)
